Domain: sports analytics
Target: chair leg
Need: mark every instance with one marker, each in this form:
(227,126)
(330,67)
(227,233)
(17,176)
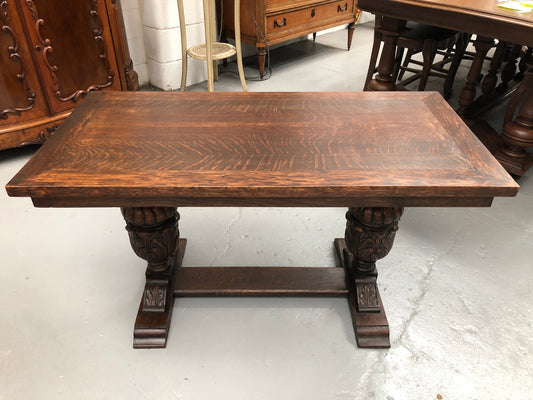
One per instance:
(460,46)
(406,62)
(207,27)
(428,55)
(183,35)
(213,32)
(237,28)
(398,71)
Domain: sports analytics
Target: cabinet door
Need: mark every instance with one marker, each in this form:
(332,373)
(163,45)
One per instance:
(20,95)
(73,47)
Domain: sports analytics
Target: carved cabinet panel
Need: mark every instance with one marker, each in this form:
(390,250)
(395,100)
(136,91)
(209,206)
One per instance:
(18,86)
(52,53)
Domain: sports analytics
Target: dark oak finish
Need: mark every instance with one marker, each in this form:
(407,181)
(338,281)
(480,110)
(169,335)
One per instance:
(282,20)
(149,153)
(51,55)
(153,149)
(260,281)
(371,328)
(484,18)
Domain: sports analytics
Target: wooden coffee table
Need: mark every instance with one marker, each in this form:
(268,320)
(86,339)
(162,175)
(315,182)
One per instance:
(374,153)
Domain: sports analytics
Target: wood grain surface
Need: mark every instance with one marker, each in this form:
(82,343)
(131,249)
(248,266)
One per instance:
(482,17)
(310,149)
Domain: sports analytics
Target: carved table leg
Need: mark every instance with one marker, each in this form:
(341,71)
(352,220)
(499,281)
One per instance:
(154,236)
(369,237)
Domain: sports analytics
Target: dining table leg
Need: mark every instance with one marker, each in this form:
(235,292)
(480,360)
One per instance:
(389,29)
(509,146)
(517,133)
(154,236)
(369,236)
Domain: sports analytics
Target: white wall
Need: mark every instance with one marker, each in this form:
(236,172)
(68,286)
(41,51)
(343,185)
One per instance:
(152,33)
(135,38)
(153,36)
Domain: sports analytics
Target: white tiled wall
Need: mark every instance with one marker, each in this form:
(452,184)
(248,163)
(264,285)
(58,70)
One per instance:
(135,38)
(153,36)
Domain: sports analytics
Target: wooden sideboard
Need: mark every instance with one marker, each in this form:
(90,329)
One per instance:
(52,53)
(267,22)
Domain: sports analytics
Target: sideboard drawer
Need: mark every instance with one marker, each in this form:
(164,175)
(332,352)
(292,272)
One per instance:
(279,23)
(268,22)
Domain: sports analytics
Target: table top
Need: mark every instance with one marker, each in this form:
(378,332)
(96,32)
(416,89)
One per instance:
(482,17)
(262,149)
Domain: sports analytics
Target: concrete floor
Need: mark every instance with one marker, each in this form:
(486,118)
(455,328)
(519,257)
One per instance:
(457,287)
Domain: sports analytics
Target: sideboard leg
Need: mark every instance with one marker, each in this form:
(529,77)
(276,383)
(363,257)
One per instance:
(261,57)
(369,237)
(154,236)
(351,29)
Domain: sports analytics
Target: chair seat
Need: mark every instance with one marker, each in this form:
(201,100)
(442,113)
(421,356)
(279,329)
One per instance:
(429,41)
(422,32)
(219,51)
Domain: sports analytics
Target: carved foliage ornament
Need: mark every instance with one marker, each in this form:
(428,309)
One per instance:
(153,233)
(14,55)
(367,296)
(154,298)
(45,47)
(370,231)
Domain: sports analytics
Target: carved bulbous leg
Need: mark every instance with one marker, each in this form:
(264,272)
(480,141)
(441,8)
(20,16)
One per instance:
(154,236)
(369,237)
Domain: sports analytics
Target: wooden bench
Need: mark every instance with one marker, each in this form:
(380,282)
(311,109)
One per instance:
(374,153)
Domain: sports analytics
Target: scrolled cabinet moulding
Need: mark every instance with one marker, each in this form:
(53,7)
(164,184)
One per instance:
(52,54)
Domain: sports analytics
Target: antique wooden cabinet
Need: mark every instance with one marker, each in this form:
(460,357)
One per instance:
(52,52)
(266,22)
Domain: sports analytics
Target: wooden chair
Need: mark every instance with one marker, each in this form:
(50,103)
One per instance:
(211,50)
(430,41)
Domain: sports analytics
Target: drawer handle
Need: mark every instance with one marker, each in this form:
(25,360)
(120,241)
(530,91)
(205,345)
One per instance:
(280,24)
(340,9)
(313,12)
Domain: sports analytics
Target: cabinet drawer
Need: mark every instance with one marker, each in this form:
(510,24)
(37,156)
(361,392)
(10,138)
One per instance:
(278,23)
(293,4)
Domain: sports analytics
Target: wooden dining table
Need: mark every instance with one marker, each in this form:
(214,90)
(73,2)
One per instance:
(487,21)
(150,153)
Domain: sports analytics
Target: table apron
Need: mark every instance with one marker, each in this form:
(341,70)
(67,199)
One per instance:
(265,202)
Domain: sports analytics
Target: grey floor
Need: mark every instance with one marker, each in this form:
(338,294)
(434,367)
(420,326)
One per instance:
(457,288)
